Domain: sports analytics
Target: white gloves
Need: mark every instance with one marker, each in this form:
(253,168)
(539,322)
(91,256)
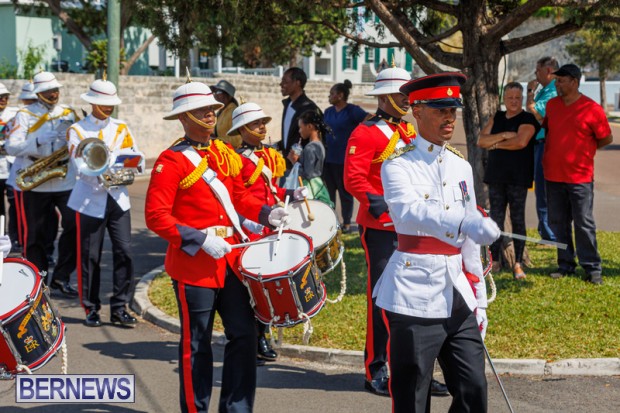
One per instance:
(216,246)
(300,193)
(483,230)
(5,245)
(252,226)
(47,137)
(482,320)
(279,216)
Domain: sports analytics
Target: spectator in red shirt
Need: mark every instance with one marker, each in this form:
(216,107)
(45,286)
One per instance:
(576,127)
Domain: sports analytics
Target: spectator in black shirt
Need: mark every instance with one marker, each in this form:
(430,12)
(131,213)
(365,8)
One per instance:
(510,167)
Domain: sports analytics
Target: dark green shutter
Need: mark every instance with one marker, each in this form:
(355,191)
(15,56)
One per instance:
(344,57)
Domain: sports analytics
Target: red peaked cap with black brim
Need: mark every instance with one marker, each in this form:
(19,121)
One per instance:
(441,90)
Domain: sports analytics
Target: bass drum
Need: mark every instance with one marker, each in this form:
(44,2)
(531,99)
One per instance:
(324,231)
(32,331)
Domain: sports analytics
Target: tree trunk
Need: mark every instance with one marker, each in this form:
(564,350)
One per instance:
(602,77)
(136,55)
(481,100)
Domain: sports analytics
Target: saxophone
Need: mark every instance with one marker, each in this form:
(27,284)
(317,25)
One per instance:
(44,169)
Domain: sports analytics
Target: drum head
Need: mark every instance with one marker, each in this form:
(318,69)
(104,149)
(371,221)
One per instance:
(259,259)
(18,281)
(324,226)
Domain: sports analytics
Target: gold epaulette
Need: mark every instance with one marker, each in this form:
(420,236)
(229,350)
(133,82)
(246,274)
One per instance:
(454,151)
(401,151)
(256,173)
(278,162)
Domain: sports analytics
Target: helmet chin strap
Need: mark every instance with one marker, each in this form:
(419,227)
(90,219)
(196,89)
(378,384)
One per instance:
(201,123)
(97,109)
(261,136)
(49,102)
(395,106)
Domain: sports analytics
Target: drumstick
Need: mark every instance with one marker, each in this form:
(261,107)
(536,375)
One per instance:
(2,260)
(310,214)
(275,251)
(247,244)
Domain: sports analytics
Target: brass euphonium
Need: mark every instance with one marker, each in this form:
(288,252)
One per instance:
(92,158)
(44,169)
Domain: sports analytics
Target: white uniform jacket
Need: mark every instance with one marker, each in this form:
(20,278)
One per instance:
(429,190)
(33,121)
(90,196)
(6,124)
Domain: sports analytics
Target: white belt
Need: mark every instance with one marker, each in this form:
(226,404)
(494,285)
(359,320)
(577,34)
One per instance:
(219,231)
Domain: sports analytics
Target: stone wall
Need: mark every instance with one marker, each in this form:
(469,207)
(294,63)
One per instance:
(147,98)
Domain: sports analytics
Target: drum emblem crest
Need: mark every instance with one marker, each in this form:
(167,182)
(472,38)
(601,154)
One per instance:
(30,343)
(47,318)
(309,294)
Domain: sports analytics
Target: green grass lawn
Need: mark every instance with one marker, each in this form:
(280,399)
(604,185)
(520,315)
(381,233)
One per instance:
(536,318)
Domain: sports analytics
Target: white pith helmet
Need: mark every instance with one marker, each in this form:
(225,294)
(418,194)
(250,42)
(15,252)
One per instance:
(4,90)
(101,92)
(191,96)
(44,81)
(244,114)
(27,91)
(389,81)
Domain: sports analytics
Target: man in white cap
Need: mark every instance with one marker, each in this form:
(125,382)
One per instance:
(371,143)
(100,206)
(261,168)
(40,130)
(194,200)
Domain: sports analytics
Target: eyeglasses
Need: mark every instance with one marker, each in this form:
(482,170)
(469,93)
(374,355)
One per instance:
(4,97)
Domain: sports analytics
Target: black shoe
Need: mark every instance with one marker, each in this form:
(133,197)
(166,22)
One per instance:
(64,288)
(265,351)
(439,389)
(123,318)
(93,319)
(595,279)
(378,386)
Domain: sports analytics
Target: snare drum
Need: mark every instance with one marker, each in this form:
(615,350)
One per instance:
(285,286)
(32,332)
(324,231)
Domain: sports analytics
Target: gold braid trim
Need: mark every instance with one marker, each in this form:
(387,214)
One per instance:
(196,174)
(279,163)
(256,173)
(230,157)
(389,148)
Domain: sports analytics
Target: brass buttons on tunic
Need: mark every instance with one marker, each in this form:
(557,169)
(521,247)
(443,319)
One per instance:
(426,196)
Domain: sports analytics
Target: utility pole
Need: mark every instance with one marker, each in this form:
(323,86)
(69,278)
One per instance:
(114,42)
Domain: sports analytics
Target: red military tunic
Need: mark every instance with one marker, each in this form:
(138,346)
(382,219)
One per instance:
(365,154)
(256,182)
(178,215)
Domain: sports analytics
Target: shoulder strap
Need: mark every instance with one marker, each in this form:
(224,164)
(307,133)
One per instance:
(218,188)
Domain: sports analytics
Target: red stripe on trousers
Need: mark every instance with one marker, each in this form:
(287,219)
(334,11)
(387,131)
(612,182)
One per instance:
(387,326)
(24,223)
(17,216)
(188,385)
(78,258)
(370,348)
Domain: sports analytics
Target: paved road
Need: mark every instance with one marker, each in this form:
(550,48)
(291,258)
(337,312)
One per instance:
(289,385)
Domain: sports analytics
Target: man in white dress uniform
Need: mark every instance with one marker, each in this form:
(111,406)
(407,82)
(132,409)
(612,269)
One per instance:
(432,290)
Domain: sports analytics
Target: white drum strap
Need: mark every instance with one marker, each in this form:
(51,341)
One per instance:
(219,189)
(266,172)
(388,132)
